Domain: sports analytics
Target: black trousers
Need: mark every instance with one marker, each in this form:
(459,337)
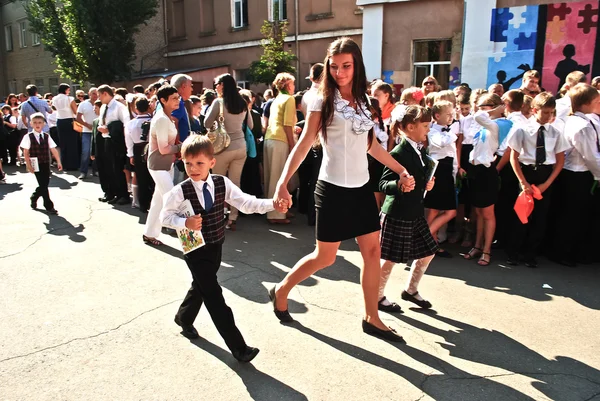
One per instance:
(70,153)
(574,224)
(527,238)
(43,179)
(504,208)
(102,164)
(115,163)
(145,182)
(14,140)
(204,264)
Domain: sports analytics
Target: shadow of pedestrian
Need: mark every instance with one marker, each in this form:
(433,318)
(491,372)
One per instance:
(260,385)
(57,181)
(558,378)
(6,189)
(60,226)
(443,386)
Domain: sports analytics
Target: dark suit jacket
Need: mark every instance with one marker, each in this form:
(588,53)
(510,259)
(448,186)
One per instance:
(117,134)
(404,205)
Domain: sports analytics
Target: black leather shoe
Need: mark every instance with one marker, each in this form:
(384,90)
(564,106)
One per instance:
(283,316)
(112,201)
(443,254)
(34,203)
(389,335)
(512,261)
(122,201)
(393,308)
(531,263)
(187,330)
(52,211)
(411,298)
(245,355)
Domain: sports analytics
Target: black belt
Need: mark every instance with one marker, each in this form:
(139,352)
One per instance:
(536,167)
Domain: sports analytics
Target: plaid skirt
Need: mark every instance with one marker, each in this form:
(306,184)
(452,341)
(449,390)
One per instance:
(402,241)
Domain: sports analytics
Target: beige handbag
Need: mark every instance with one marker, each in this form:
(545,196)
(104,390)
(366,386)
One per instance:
(217,134)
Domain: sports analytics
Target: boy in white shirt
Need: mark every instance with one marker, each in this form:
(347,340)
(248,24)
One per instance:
(208,194)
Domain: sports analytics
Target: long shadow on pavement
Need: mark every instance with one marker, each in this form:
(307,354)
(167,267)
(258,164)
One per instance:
(6,189)
(561,378)
(260,385)
(58,225)
(441,386)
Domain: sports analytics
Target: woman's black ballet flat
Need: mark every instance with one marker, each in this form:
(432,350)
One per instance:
(283,316)
(411,298)
(389,335)
(392,308)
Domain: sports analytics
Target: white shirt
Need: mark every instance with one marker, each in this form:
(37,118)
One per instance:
(345,151)
(415,146)
(484,149)
(133,131)
(309,97)
(26,141)
(62,103)
(51,120)
(248,204)
(524,141)
(442,143)
(88,115)
(519,121)
(583,155)
(468,128)
(114,111)
(563,108)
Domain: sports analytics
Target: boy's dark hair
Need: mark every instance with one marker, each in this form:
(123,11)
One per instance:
(514,98)
(138,89)
(543,100)
(98,103)
(582,94)
(165,91)
(47,95)
(6,107)
(106,89)
(31,90)
(298,98)
(531,74)
(142,104)
(195,145)
(122,91)
(464,99)
(62,88)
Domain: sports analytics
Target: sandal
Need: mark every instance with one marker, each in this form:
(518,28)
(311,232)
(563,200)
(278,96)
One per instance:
(231,225)
(151,241)
(473,253)
(482,261)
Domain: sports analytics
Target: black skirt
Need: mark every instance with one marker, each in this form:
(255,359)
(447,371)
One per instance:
(402,241)
(443,194)
(484,185)
(464,195)
(344,213)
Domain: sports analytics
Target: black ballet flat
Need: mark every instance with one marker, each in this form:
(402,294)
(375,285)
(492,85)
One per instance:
(388,335)
(411,298)
(283,316)
(393,308)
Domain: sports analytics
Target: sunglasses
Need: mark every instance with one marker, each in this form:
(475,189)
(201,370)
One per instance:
(429,83)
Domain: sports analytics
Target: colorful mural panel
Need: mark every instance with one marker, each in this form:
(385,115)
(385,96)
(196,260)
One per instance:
(554,39)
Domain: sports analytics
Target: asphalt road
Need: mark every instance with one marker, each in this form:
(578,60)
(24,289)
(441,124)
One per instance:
(86,313)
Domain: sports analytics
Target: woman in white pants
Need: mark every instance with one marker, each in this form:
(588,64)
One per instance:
(161,155)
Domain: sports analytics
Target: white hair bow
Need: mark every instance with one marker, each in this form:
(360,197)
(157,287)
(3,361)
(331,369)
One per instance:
(398,113)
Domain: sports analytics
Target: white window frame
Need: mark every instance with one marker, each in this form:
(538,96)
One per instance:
(35,39)
(8,38)
(281,11)
(233,13)
(242,83)
(23,33)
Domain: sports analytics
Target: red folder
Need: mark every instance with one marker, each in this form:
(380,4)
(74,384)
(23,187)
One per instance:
(524,203)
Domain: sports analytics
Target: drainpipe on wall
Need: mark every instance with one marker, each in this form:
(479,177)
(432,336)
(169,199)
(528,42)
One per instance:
(462,40)
(297,41)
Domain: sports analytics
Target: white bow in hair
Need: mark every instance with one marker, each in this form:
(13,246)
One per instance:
(398,113)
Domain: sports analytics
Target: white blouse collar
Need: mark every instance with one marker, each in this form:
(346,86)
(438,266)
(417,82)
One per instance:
(361,122)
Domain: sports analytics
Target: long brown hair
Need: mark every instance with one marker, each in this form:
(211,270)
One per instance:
(328,87)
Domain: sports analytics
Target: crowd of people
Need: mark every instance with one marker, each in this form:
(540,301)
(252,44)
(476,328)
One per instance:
(399,173)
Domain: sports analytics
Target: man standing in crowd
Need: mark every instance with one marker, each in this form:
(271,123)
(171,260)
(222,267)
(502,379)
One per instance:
(184,86)
(113,117)
(34,105)
(315,77)
(86,116)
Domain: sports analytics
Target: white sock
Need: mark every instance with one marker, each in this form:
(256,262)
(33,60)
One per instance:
(134,191)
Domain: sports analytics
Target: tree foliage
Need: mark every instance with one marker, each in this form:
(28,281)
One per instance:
(275,58)
(91,40)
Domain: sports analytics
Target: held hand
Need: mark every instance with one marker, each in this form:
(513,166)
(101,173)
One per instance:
(194,223)
(29,168)
(406,183)
(282,195)
(430,184)
(131,161)
(281,206)
(543,187)
(461,172)
(527,188)
(59,166)
(92,157)
(103,129)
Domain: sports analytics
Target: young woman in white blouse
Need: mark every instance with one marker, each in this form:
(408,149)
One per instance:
(346,206)
(66,110)
(161,156)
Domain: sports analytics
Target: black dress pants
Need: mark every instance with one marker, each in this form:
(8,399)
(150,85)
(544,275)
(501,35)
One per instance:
(145,182)
(204,264)
(14,140)
(527,238)
(115,163)
(69,151)
(102,164)
(504,208)
(43,179)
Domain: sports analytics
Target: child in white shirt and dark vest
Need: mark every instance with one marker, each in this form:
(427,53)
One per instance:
(40,145)
(208,194)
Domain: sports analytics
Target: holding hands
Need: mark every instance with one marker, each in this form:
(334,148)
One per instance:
(282,200)
(281,206)
(406,183)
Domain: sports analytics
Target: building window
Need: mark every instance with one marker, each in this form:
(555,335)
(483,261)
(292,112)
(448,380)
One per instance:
(177,19)
(39,82)
(432,57)
(241,78)
(207,16)
(8,38)
(277,10)
(240,13)
(53,83)
(23,34)
(35,39)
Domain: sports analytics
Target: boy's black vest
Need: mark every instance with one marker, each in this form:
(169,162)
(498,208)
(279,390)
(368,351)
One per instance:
(213,221)
(40,150)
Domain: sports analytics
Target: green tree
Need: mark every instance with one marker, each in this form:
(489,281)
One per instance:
(275,58)
(91,40)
